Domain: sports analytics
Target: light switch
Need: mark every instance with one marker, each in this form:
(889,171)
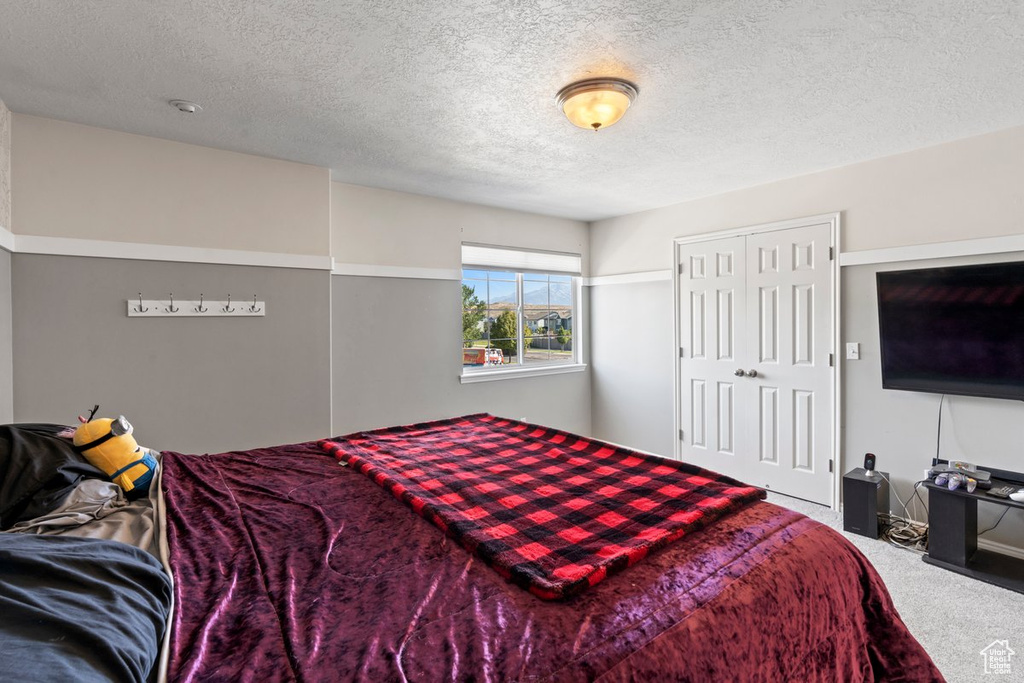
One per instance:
(852,350)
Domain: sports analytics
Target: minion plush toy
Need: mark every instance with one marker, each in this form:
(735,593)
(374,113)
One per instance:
(109,446)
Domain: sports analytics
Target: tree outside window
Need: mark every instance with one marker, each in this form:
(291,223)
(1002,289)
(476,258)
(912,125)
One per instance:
(474,310)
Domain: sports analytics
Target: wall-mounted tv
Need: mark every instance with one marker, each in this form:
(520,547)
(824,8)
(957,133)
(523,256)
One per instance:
(956,330)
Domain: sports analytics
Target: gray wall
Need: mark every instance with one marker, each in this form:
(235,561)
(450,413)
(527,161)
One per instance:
(900,426)
(633,392)
(396,361)
(6,341)
(632,373)
(189,384)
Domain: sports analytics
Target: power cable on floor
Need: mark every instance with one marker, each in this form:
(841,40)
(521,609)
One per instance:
(904,532)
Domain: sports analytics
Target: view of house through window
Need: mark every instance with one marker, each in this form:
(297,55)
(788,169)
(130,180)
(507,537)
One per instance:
(516,318)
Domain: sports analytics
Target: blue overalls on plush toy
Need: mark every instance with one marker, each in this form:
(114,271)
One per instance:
(109,445)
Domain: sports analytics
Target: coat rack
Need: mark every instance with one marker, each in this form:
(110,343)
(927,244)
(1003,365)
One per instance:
(183,308)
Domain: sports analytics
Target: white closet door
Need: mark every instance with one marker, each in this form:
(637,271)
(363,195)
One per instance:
(789,323)
(755,384)
(711,317)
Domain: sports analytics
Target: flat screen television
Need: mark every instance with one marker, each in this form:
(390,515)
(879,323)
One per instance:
(956,330)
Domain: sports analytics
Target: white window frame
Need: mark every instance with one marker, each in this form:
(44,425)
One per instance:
(519,261)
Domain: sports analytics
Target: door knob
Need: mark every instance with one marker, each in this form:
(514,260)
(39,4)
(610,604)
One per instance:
(739,373)
(751,373)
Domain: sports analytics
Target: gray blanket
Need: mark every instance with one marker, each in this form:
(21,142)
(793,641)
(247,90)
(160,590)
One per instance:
(97,508)
(79,609)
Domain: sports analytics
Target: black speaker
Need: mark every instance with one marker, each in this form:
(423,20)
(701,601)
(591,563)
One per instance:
(864,496)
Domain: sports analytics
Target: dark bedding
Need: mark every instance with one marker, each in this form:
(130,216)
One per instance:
(79,609)
(38,469)
(290,567)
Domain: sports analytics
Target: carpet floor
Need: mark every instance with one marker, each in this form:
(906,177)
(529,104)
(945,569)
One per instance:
(952,616)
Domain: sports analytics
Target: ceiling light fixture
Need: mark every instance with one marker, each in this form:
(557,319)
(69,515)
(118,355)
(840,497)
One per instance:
(185,106)
(596,102)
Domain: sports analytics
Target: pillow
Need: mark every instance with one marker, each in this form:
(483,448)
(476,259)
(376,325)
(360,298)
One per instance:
(38,469)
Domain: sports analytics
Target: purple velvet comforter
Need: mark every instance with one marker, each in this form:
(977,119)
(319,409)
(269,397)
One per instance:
(290,567)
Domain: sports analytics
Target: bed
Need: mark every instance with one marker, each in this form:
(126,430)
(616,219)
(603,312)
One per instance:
(302,562)
(83,596)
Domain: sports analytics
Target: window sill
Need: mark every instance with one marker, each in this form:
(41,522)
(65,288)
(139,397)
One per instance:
(472,376)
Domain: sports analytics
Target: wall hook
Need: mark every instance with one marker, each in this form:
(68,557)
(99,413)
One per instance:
(200,308)
(227,308)
(140,308)
(172,309)
(253,309)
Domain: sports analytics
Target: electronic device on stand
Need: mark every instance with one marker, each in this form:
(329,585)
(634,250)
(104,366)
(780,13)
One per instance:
(953,528)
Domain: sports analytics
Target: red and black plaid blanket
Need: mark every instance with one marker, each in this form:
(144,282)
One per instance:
(550,511)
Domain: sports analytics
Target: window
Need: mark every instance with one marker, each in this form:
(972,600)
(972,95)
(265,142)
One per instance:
(520,312)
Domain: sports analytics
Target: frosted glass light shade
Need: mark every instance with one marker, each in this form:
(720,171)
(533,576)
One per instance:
(596,103)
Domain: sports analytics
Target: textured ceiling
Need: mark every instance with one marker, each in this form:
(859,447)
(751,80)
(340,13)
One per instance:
(456,99)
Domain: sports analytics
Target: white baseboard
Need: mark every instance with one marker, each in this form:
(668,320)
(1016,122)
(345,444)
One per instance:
(974,247)
(369,270)
(67,246)
(919,252)
(137,251)
(1001,548)
(629,278)
(6,239)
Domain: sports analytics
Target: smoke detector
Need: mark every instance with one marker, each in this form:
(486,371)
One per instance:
(185,106)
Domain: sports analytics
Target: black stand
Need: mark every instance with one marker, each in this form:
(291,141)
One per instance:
(864,496)
(953,537)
